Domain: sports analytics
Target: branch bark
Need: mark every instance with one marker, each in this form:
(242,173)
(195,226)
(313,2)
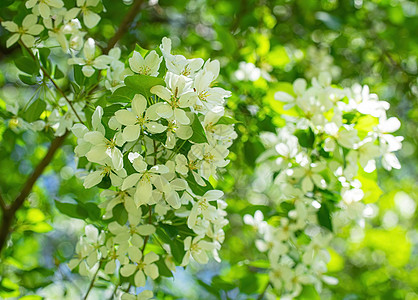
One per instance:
(124,25)
(10,211)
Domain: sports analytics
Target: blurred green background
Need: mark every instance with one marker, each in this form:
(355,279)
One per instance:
(371,42)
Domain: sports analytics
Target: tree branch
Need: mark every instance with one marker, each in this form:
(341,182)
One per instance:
(92,281)
(124,25)
(261,296)
(9,212)
(3,205)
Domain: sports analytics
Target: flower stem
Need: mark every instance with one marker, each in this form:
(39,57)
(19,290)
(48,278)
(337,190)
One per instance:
(92,281)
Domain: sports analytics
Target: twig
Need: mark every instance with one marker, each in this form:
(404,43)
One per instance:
(92,281)
(3,205)
(114,291)
(129,17)
(149,222)
(261,296)
(9,212)
(46,74)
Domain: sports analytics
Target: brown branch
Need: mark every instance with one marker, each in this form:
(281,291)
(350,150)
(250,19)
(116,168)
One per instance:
(149,222)
(3,205)
(9,212)
(124,25)
(261,296)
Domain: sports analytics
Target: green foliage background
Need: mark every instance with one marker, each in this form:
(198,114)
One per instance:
(371,42)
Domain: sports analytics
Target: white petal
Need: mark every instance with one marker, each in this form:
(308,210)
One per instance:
(117,158)
(127,270)
(94,137)
(213,195)
(93,179)
(90,18)
(164,111)
(125,117)
(130,181)
(89,49)
(151,270)
(181,117)
(139,279)
(146,229)
(131,133)
(44,10)
(28,40)
(88,71)
(150,258)
(139,103)
(29,21)
(110,267)
(35,29)
(13,39)
(161,92)
(135,254)
(136,62)
(91,233)
(155,127)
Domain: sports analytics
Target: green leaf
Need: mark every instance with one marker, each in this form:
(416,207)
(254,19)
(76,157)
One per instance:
(252,150)
(163,235)
(58,74)
(27,65)
(209,288)
(78,75)
(34,111)
(44,54)
(228,41)
(5,3)
(29,80)
(120,214)
(123,94)
(306,138)
(227,120)
(199,135)
(71,210)
(105,183)
(324,217)
(220,283)
(196,188)
(308,293)
(141,84)
(93,210)
(110,110)
(177,249)
(249,284)
(163,270)
(40,227)
(142,51)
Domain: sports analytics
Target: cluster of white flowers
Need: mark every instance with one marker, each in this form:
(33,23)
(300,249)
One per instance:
(319,60)
(158,154)
(62,24)
(154,156)
(310,169)
(65,31)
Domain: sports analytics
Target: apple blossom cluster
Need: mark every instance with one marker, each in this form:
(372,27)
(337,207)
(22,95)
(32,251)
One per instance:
(155,156)
(50,25)
(153,146)
(310,169)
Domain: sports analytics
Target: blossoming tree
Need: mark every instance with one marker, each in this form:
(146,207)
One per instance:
(147,140)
